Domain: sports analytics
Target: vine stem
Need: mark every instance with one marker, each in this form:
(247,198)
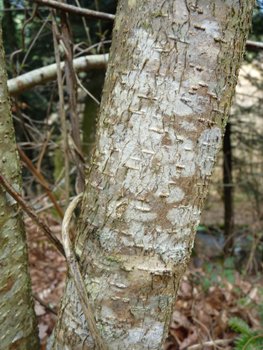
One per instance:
(76,275)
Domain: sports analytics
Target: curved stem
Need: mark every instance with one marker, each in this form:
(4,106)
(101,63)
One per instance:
(76,275)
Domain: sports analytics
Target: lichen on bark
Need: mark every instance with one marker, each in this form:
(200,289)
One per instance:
(171,75)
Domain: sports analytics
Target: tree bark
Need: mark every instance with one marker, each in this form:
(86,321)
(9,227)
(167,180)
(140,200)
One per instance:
(228,190)
(9,26)
(72,89)
(18,324)
(170,80)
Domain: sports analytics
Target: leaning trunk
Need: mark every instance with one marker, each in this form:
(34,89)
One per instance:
(18,325)
(171,76)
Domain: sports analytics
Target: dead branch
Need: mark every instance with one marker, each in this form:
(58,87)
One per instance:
(42,181)
(71,85)
(61,106)
(75,10)
(23,38)
(209,343)
(44,149)
(30,212)
(41,302)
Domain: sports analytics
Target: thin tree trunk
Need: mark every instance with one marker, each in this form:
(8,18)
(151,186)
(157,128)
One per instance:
(9,26)
(171,76)
(18,324)
(72,89)
(228,190)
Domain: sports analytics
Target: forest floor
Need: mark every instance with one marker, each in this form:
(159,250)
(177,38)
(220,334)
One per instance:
(210,294)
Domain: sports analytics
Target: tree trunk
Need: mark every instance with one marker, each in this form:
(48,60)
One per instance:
(9,26)
(171,76)
(72,88)
(228,190)
(18,324)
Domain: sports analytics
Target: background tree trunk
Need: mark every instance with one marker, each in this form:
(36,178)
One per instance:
(228,190)
(171,76)
(18,324)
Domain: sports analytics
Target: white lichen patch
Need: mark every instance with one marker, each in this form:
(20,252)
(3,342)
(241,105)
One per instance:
(164,242)
(10,200)
(187,126)
(209,144)
(211,28)
(141,216)
(131,3)
(153,265)
(107,313)
(176,194)
(145,336)
(182,216)
(108,239)
(177,106)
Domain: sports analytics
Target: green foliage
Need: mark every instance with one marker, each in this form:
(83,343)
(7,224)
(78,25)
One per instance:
(248,339)
(213,271)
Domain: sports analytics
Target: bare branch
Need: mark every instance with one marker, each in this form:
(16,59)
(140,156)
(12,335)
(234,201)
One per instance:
(209,343)
(30,212)
(254,45)
(75,10)
(42,181)
(23,38)
(41,302)
(42,75)
(44,149)
(72,88)
(61,107)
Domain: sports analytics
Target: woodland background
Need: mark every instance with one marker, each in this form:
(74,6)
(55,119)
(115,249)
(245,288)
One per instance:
(223,284)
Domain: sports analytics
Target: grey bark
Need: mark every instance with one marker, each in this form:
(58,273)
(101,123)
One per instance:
(171,76)
(42,75)
(228,191)
(18,324)
(72,88)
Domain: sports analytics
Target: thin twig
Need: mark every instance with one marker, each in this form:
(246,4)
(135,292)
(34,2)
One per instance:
(86,28)
(33,42)
(75,10)
(30,212)
(89,48)
(44,150)
(23,37)
(41,302)
(42,181)
(85,90)
(208,343)
(76,275)
(61,108)
(250,340)
(100,30)
(253,251)
(71,85)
